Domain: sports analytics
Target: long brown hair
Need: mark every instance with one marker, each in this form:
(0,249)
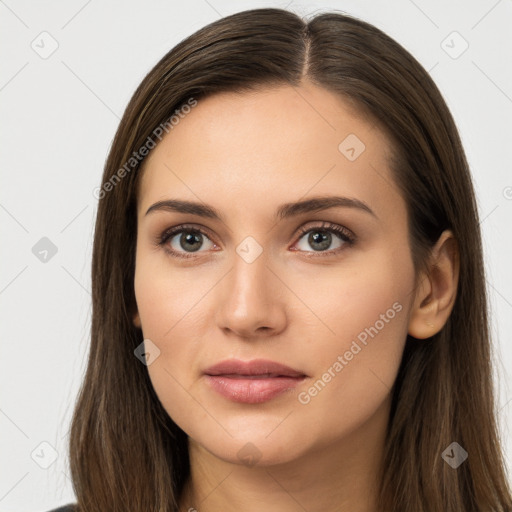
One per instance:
(125,451)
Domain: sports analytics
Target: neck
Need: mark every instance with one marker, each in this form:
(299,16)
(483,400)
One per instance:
(341,475)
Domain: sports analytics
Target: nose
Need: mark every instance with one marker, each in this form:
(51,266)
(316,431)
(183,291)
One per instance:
(252,300)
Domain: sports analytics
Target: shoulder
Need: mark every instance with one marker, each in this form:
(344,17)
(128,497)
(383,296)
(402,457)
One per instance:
(70,507)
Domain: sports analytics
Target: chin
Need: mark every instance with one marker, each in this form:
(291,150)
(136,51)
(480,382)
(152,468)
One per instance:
(258,449)
(248,454)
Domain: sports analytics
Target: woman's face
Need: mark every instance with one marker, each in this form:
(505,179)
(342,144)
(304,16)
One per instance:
(272,282)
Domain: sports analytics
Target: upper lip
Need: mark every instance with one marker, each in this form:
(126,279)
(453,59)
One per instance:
(253,367)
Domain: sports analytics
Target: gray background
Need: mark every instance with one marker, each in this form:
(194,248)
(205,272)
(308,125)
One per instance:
(59,113)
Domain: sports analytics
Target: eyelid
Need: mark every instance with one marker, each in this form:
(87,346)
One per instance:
(326,226)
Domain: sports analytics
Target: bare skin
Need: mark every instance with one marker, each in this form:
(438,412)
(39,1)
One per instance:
(245,155)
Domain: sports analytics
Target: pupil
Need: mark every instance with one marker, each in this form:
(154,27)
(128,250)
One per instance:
(190,238)
(322,238)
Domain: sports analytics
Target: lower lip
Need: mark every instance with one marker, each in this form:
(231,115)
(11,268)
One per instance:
(251,390)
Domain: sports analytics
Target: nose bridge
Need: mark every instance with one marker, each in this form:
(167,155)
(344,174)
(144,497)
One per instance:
(249,300)
(249,280)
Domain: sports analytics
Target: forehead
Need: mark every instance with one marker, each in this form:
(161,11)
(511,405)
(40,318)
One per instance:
(247,151)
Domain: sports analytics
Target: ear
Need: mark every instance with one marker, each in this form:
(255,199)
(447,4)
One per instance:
(136,320)
(437,291)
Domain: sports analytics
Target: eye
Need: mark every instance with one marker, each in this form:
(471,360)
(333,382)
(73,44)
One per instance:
(320,238)
(183,241)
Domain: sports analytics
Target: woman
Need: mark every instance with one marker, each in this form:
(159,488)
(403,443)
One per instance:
(289,307)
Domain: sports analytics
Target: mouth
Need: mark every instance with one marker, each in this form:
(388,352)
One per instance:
(244,376)
(252,382)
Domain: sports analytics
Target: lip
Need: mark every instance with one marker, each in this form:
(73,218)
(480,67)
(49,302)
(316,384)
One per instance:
(255,381)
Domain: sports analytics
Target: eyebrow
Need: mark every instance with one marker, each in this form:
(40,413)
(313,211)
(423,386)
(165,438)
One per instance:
(315,204)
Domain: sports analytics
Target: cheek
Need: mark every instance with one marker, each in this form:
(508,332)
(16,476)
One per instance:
(167,298)
(366,339)
(168,325)
(169,319)
(366,298)
(367,310)
(169,305)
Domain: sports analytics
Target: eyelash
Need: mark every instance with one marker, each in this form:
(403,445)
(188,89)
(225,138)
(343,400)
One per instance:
(341,231)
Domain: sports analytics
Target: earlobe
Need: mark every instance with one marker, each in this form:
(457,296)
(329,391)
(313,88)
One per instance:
(136,320)
(437,292)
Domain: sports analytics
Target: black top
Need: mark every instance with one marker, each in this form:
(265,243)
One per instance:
(70,507)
